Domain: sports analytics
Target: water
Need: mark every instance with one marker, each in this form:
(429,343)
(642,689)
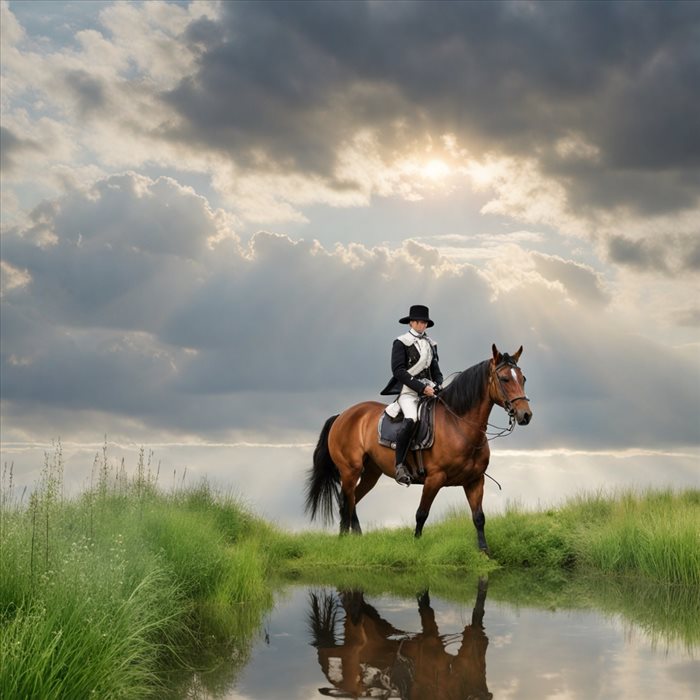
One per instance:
(323,642)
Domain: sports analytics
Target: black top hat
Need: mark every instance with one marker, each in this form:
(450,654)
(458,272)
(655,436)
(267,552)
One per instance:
(418,313)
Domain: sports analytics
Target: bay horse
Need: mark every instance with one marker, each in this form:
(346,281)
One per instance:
(348,459)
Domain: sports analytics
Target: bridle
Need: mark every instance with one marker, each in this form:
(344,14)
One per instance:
(489,433)
(507,403)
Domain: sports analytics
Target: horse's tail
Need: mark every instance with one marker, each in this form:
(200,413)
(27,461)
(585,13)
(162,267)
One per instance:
(323,481)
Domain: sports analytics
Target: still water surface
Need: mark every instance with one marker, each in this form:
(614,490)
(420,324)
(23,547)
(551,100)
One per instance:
(322,642)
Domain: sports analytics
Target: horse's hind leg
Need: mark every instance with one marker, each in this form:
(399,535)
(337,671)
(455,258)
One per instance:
(370,476)
(348,516)
(348,519)
(349,477)
(475,494)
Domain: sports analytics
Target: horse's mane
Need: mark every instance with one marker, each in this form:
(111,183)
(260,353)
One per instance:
(467,389)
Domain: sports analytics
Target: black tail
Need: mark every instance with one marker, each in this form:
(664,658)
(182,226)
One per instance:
(323,481)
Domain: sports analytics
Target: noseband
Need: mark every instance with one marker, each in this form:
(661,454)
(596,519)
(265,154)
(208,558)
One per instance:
(507,403)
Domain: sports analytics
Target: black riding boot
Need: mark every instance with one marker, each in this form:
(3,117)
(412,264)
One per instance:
(403,442)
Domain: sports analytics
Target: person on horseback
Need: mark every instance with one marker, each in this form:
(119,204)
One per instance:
(415,373)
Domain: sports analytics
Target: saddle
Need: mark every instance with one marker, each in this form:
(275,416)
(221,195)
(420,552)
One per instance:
(388,430)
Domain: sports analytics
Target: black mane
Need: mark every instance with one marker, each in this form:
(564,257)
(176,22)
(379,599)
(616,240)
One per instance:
(467,389)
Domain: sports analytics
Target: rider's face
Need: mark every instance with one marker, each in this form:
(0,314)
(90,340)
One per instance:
(418,326)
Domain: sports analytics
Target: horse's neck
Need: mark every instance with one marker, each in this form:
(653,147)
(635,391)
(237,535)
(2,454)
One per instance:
(479,415)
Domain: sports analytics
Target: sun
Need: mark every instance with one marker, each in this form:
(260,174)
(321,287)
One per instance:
(436,169)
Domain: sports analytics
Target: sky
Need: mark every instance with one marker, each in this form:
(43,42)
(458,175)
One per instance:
(214,214)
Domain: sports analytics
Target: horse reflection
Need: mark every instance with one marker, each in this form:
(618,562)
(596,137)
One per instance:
(377,660)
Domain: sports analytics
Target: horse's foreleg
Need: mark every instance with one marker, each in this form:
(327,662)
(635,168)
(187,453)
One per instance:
(432,485)
(475,494)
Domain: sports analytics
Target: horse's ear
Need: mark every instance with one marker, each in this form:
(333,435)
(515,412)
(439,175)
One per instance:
(496,354)
(516,356)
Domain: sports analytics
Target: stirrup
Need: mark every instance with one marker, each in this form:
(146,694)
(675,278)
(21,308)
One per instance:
(403,476)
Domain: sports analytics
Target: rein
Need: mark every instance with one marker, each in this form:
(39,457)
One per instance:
(489,436)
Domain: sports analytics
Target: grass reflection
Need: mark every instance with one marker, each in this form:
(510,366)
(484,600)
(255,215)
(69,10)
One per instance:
(668,614)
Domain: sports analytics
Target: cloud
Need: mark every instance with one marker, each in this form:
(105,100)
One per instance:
(689,316)
(133,301)
(576,116)
(582,282)
(89,92)
(573,144)
(12,147)
(283,84)
(675,252)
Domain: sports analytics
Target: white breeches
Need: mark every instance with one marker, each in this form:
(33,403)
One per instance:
(408,400)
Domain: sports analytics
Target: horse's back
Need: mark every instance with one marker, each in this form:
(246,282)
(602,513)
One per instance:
(359,413)
(356,426)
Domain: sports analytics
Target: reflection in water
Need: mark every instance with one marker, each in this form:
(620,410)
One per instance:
(548,637)
(377,660)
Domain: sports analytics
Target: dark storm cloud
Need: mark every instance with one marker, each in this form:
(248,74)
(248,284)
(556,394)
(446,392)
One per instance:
(665,252)
(283,83)
(640,254)
(114,318)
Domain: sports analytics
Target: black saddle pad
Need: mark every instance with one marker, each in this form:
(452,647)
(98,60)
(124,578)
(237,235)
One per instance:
(423,437)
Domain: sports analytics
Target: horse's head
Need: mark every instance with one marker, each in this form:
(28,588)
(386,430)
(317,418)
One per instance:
(507,385)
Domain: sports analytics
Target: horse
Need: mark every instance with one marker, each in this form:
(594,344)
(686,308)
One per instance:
(348,459)
(374,659)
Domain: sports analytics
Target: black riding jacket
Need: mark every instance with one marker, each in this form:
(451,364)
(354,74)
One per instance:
(404,356)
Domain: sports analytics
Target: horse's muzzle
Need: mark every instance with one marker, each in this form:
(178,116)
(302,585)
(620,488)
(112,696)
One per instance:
(522,414)
(523,417)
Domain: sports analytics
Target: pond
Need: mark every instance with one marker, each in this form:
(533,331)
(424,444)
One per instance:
(323,641)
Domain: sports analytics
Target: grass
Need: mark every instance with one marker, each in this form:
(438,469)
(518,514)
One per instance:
(100,593)
(653,535)
(129,591)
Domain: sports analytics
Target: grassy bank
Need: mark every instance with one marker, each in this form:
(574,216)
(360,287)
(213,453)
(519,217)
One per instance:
(654,536)
(100,593)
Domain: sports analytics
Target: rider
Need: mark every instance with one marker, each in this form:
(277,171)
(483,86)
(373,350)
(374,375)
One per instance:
(416,373)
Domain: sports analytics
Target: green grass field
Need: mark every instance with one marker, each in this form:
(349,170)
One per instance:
(102,592)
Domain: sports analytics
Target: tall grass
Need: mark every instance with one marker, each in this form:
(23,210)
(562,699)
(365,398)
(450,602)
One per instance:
(657,536)
(98,594)
(654,535)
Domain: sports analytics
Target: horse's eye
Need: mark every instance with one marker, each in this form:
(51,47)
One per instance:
(524,380)
(505,378)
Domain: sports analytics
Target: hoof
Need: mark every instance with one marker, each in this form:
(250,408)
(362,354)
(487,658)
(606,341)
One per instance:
(486,552)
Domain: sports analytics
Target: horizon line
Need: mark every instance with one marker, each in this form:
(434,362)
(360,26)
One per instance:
(625,452)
